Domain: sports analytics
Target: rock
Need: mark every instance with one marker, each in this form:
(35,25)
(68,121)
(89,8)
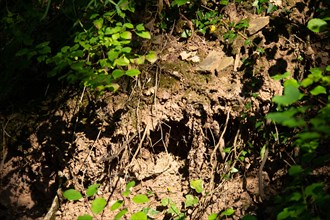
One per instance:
(256,24)
(215,61)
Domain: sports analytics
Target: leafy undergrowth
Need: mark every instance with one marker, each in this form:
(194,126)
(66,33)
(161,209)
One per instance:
(228,118)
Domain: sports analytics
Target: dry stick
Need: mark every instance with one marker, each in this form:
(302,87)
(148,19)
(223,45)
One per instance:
(140,144)
(213,154)
(261,180)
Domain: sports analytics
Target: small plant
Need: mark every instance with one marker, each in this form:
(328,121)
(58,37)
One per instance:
(206,21)
(264,6)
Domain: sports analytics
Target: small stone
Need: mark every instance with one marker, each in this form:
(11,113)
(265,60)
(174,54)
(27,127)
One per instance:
(256,24)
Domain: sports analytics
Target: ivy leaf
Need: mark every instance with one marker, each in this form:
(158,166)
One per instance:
(118,73)
(92,189)
(318,90)
(133,72)
(139,216)
(291,95)
(85,217)
(117,205)
(213,216)
(113,54)
(98,205)
(190,201)
(151,56)
(122,61)
(295,170)
(98,23)
(228,212)
(197,185)
(128,188)
(317,25)
(72,194)
(140,27)
(179,2)
(144,34)
(127,35)
(140,199)
(128,25)
(121,214)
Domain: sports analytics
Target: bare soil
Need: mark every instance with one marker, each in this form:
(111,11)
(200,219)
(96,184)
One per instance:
(164,129)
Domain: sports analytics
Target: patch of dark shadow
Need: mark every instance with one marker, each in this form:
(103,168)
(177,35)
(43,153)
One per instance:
(270,52)
(300,6)
(251,84)
(228,49)
(278,68)
(174,136)
(257,40)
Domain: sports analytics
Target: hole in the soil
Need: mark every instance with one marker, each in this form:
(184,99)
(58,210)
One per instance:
(270,53)
(173,136)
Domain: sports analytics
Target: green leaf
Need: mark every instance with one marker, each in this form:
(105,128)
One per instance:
(122,61)
(314,189)
(281,76)
(152,56)
(78,66)
(190,201)
(133,72)
(126,50)
(166,201)
(179,2)
(92,189)
(121,214)
(140,27)
(249,217)
(291,95)
(197,185)
(98,23)
(318,90)
(128,25)
(128,188)
(140,199)
(173,209)
(98,205)
(117,73)
(295,196)
(228,212)
(144,34)
(295,170)
(127,35)
(213,216)
(117,205)
(72,194)
(317,25)
(139,216)
(113,54)
(85,217)
(112,30)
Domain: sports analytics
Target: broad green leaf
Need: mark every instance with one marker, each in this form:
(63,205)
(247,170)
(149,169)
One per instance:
(126,50)
(249,217)
(92,189)
(190,201)
(151,56)
(117,205)
(72,194)
(228,212)
(115,36)
(85,217)
(126,35)
(318,90)
(112,30)
(166,201)
(22,52)
(42,45)
(295,196)
(121,214)
(140,27)
(122,61)
(179,2)
(307,82)
(314,189)
(317,25)
(113,54)
(173,209)
(281,76)
(117,73)
(78,66)
(98,23)
(129,25)
(128,188)
(140,199)
(133,72)
(213,216)
(113,87)
(291,95)
(197,185)
(139,60)
(144,34)
(139,216)
(308,135)
(98,205)
(295,170)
